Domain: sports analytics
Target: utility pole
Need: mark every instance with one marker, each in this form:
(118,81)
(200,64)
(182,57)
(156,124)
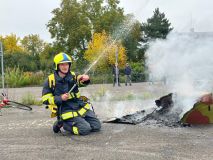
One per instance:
(116,66)
(2,64)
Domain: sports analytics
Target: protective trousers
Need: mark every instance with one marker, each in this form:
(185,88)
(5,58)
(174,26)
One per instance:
(82,125)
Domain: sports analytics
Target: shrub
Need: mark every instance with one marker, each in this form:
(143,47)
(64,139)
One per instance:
(24,61)
(30,99)
(15,77)
(101,79)
(100,93)
(138,72)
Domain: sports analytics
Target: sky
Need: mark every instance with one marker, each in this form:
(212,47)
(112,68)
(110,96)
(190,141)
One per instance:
(24,17)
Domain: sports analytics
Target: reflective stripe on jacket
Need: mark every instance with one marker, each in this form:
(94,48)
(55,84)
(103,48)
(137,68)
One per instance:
(55,86)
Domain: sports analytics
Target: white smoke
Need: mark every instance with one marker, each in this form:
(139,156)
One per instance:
(185,63)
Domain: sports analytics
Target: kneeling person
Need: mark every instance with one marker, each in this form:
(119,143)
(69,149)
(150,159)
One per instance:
(72,112)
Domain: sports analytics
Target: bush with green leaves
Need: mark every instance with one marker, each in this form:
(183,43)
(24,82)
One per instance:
(16,77)
(138,72)
(29,99)
(24,61)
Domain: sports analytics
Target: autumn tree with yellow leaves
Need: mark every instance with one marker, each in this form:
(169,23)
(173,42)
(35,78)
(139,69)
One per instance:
(23,53)
(11,43)
(103,50)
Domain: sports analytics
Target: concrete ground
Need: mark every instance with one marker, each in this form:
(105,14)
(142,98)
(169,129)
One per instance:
(28,135)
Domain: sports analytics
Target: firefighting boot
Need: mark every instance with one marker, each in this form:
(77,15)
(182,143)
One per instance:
(57,126)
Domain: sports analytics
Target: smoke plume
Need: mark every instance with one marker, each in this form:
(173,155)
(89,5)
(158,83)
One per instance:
(184,62)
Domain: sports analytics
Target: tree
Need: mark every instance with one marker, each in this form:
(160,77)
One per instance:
(33,44)
(112,17)
(103,49)
(46,57)
(22,60)
(131,41)
(11,44)
(158,26)
(69,26)
(75,21)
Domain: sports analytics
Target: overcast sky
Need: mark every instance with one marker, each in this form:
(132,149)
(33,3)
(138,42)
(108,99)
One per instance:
(24,17)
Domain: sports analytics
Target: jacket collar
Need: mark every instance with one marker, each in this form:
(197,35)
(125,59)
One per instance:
(68,77)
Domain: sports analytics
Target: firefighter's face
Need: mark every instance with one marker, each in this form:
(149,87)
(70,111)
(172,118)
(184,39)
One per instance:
(64,67)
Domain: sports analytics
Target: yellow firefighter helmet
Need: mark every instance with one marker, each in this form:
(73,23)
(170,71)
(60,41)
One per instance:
(61,58)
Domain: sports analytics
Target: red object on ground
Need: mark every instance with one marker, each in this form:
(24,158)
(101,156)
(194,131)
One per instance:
(195,117)
(5,101)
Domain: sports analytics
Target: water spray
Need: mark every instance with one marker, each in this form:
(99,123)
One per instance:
(85,73)
(93,64)
(104,51)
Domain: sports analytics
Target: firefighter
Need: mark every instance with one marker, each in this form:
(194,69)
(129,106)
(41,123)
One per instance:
(73,113)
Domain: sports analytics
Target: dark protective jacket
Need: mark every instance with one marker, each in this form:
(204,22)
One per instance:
(52,95)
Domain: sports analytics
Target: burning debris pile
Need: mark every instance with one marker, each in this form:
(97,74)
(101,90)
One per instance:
(168,115)
(161,114)
(185,67)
